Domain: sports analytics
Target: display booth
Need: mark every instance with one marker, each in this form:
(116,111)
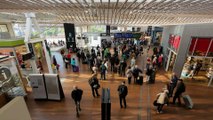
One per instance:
(46,86)
(11,83)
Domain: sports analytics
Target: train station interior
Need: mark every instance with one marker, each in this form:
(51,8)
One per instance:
(106,59)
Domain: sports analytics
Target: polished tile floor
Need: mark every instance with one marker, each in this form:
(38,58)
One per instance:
(139,99)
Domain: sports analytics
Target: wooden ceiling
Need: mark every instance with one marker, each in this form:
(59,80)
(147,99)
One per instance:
(111,12)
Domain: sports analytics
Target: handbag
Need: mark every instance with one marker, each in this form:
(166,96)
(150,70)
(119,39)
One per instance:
(155,103)
(96,86)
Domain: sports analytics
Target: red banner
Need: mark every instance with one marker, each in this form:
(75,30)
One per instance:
(176,42)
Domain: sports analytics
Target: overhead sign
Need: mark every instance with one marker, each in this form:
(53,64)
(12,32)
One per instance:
(70,35)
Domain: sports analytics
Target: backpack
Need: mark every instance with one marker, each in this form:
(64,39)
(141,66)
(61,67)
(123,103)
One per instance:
(121,90)
(91,81)
(103,68)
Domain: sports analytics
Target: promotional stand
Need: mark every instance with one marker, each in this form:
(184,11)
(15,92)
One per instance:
(38,86)
(46,86)
(53,87)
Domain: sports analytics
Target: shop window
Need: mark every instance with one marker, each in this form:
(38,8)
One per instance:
(192,45)
(202,46)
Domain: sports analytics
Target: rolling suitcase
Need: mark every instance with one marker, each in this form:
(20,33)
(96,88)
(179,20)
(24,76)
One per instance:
(140,80)
(76,69)
(188,101)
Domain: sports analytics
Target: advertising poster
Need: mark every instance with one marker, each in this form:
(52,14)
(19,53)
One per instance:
(70,35)
(38,86)
(52,86)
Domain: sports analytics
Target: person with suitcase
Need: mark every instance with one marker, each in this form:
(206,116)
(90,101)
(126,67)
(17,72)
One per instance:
(123,91)
(136,72)
(76,96)
(148,73)
(94,83)
(162,99)
(179,90)
(140,80)
(173,84)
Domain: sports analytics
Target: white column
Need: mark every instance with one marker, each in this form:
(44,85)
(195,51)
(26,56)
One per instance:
(28,32)
(47,55)
(168,60)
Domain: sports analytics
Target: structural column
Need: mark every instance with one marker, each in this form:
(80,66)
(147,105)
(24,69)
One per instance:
(28,32)
(47,55)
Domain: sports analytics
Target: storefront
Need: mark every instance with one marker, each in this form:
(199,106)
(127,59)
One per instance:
(199,62)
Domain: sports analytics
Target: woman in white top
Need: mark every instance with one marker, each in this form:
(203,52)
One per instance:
(132,62)
(162,99)
(129,74)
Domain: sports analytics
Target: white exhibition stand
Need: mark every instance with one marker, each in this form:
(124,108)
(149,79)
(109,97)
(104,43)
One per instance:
(52,86)
(46,86)
(38,86)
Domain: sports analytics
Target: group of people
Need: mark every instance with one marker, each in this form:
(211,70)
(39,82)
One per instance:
(77,93)
(167,93)
(98,59)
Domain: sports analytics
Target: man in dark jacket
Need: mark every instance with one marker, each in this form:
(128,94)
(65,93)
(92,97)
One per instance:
(180,89)
(136,72)
(173,84)
(94,85)
(123,67)
(123,91)
(103,71)
(76,96)
(112,61)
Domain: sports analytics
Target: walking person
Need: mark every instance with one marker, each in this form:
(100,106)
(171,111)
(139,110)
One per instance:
(149,72)
(55,62)
(132,62)
(123,65)
(94,83)
(103,71)
(180,89)
(123,91)
(173,84)
(162,99)
(76,96)
(129,74)
(73,64)
(136,72)
(112,61)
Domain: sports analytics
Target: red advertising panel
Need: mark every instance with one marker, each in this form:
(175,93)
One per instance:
(171,39)
(176,42)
